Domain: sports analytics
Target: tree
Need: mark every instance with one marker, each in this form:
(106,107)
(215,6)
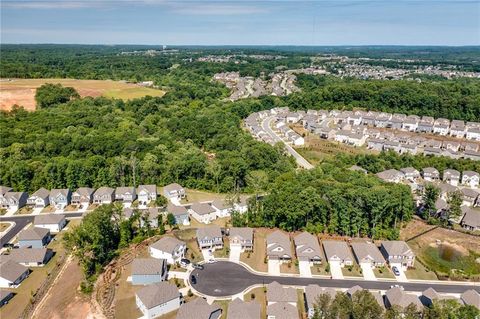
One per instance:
(429,198)
(454,202)
(161,225)
(365,306)
(171,221)
(341,307)
(50,94)
(161,201)
(322,307)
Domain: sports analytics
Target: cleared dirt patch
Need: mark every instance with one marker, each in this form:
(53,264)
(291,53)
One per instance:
(22,91)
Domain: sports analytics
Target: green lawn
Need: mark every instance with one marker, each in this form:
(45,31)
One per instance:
(352,271)
(224,252)
(420,272)
(444,259)
(383,272)
(320,269)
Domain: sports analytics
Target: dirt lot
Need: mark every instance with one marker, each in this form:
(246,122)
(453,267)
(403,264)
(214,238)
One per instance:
(22,91)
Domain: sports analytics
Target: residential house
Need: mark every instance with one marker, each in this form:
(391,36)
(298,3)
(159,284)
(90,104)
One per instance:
(276,293)
(411,123)
(147,271)
(308,248)
(126,194)
(430,174)
(31,257)
(451,177)
(473,133)
(312,293)
(39,199)
(471,219)
(471,179)
(34,237)
(352,290)
(241,205)
(168,248)
(202,212)
(239,309)
(430,295)
(398,254)
(279,246)
(15,200)
(469,196)
(222,208)
(281,310)
(471,297)
(3,191)
(337,252)
(83,196)
(146,194)
(60,198)
(441,126)
(391,176)
(242,238)
(199,309)
(5,296)
(151,215)
(180,213)
(210,237)
(157,299)
(174,191)
(53,222)
(368,254)
(452,146)
(397,297)
(410,173)
(104,195)
(12,274)
(457,128)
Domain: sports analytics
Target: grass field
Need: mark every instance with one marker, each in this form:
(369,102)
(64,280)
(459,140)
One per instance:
(22,91)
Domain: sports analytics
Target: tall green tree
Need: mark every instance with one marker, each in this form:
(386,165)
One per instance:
(50,94)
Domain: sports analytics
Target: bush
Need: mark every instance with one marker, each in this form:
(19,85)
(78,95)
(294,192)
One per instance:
(190,293)
(252,296)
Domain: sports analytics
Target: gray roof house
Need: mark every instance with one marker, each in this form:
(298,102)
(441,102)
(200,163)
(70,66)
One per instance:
(410,173)
(337,251)
(398,253)
(15,200)
(146,194)
(471,297)
(471,219)
(281,310)
(239,309)
(174,191)
(430,174)
(222,207)
(278,293)
(83,196)
(157,299)
(429,295)
(279,246)
(34,237)
(104,195)
(5,296)
(470,178)
(31,257)
(41,198)
(451,176)
(168,248)
(12,273)
(241,237)
(60,198)
(391,175)
(3,191)
(53,222)
(397,297)
(368,253)
(147,271)
(151,215)
(210,237)
(469,196)
(307,248)
(126,194)
(199,309)
(180,213)
(203,212)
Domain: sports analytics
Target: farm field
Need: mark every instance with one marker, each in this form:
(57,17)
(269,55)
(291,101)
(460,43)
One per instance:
(22,91)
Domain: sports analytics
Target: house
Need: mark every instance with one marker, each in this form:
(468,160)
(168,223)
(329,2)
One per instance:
(83,196)
(180,213)
(457,128)
(157,299)
(12,274)
(147,271)
(199,309)
(151,215)
(174,191)
(53,222)
(471,297)
(281,310)
(222,208)
(430,295)
(31,257)
(411,123)
(34,237)
(146,194)
(39,199)
(15,200)
(104,195)
(239,309)
(242,238)
(368,253)
(241,205)
(430,174)
(451,177)
(203,212)
(471,219)
(471,179)
(168,248)
(312,292)
(391,176)
(125,194)
(307,248)
(397,297)
(210,238)
(279,246)
(60,198)
(469,196)
(398,254)
(473,133)
(337,252)
(4,190)
(276,293)
(5,297)
(410,173)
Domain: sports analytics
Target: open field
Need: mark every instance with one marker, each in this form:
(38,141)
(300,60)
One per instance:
(22,91)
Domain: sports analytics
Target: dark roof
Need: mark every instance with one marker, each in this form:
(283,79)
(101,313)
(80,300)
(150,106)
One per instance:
(147,266)
(35,233)
(157,294)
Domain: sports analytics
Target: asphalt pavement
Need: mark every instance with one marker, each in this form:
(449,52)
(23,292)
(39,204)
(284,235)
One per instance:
(223,278)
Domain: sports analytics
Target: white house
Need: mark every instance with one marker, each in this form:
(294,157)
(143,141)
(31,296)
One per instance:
(471,178)
(146,194)
(174,191)
(168,248)
(241,206)
(157,299)
(53,222)
(60,198)
(12,273)
(39,199)
(203,212)
(473,134)
(222,208)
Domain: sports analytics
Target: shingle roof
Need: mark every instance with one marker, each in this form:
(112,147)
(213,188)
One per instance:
(167,244)
(471,218)
(147,266)
(397,248)
(11,270)
(177,210)
(306,245)
(104,191)
(148,188)
(364,251)
(197,309)
(42,193)
(209,232)
(157,294)
(172,187)
(471,297)
(277,293)
(353,290)
(35,233)
(5,189)
(202,208)
(278,239)
(221,204)
(124,189)
(57,191)
(29,255)
(48,219)
(282,310)
(337,248)
(239,309)
(85,191)
(241,233)
(470,173)
(397,297)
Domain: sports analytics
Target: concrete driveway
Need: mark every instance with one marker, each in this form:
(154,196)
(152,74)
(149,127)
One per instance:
(367,271)
(207,255)
(402,277)
(274,267)
(37,210)
(235,251)
(304,268)
(336,270)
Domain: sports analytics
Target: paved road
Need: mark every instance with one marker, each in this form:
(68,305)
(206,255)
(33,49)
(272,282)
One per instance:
(224,278)
(266,125)
(20,223)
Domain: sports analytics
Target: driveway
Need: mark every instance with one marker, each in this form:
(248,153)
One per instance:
(336,270)
(37,210)
(304,268)
(367,271)
(274,267)
(402,277)
(235,251)
(207,255)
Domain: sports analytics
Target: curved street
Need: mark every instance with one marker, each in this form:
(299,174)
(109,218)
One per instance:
(224,278)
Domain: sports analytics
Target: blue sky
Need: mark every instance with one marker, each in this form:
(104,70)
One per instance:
(339,22)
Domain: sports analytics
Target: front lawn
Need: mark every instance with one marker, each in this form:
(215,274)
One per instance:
(259,295)
(321,269)
(289,268)
(352,271)
(224,252)
(420,272)
(257,258)
(383,272)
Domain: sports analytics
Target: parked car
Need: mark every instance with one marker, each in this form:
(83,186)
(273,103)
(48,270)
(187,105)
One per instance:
(211,261)
(193,280)
(395,271)
(198,266)
(184,262)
